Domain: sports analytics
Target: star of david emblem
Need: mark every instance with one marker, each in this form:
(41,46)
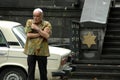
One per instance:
(89,39)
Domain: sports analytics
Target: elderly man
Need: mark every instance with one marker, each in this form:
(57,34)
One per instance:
(38,31)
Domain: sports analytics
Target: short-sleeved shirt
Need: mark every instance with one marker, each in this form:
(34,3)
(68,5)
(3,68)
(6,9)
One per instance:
(36,46)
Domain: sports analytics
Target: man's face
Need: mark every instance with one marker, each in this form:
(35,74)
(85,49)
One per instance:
(37,17)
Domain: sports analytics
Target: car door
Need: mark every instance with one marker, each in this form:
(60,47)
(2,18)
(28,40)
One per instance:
(3,48)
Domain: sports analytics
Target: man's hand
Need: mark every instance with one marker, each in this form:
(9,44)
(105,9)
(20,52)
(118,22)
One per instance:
(44,33)
(34,35)
(35,27)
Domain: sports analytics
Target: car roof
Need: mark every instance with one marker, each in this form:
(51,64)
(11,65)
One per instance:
(6,28)
(8,24)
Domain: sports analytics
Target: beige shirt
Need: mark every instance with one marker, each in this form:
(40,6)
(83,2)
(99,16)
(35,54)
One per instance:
(36,46)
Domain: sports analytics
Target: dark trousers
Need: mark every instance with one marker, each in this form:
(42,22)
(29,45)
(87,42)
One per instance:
(42,64)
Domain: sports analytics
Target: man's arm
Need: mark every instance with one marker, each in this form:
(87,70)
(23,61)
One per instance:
(44,33)
(28,30)
(33,35)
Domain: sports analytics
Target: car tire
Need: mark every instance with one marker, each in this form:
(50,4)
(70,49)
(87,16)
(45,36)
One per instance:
(13,74)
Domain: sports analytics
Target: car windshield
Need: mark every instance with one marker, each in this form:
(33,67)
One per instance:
(20,34)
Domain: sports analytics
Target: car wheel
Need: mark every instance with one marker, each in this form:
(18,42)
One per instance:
(13,74)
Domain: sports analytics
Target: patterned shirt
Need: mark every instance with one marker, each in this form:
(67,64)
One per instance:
(36,46)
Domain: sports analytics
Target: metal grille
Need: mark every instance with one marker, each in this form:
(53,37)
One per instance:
(75,37)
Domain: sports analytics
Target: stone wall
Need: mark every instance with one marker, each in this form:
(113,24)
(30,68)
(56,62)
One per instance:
(59,13)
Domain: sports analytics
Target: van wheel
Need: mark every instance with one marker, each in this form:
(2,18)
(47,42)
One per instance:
(13,74)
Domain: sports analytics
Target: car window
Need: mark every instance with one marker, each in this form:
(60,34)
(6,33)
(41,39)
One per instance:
(20,34)
(3,42)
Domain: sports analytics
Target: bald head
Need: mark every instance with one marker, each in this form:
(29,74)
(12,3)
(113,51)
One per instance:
(38,10)
(37,15)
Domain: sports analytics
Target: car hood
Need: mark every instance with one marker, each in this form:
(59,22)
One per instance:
(59,50)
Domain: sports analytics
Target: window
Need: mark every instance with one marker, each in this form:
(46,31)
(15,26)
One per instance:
(3,42)
(20,34)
